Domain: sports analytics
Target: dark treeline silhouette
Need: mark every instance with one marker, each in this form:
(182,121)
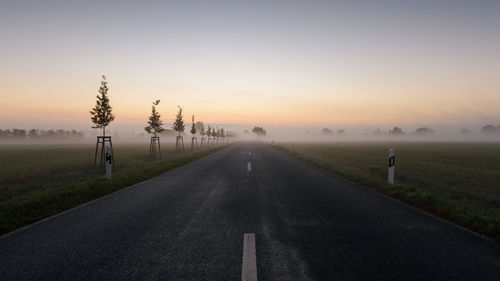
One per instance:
(37,134)
(490,129)
(259,132)
(328,132)
(426,130)
(397,131)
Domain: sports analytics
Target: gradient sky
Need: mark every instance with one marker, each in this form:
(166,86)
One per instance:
(327,63)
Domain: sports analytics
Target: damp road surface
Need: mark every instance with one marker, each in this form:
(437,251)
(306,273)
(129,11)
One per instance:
(247,212)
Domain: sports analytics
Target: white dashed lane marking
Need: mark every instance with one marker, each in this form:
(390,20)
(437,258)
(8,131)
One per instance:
(249,265)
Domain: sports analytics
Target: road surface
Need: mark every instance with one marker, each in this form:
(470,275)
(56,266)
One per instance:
(248,212)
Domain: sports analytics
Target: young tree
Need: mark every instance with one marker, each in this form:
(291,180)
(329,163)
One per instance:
(209,134)
(154,124)
(154,127)
(222,134)
(101,114)
(201,128)
(193,127)
(179,127)
(198,126)
(194,141)
(179,122)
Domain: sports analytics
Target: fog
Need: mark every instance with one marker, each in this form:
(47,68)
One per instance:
(274,133)
(363,134)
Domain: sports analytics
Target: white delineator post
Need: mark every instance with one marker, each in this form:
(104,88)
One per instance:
(109,163)
(391,166)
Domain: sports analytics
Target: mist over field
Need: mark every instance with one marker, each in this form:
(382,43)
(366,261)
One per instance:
(276,133)
(249,140)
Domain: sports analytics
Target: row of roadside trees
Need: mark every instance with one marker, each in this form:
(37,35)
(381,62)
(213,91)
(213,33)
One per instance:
(102,116)
(215,135)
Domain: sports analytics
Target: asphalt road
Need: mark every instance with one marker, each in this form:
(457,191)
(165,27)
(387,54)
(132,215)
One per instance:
(301,223)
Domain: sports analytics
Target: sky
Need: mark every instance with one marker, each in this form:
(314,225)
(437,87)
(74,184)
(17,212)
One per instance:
(269,63)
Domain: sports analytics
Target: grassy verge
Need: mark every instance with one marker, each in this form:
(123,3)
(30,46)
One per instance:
(38,203)
(458,182)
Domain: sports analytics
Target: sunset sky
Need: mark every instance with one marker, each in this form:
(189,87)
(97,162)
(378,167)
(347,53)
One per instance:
(293,63)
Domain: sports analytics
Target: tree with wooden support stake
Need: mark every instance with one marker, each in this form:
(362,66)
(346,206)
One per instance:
(101,116)
(154,127)
(223,135)
(194,140)
(203,143)
(179,127)
(209,135)
(217,135)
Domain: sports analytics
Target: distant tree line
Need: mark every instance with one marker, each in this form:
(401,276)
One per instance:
(329,132)
(490,129)
(426,130)
(37,134)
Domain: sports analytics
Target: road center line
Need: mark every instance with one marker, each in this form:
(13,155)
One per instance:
(249,166)
(249,153)
(249,266)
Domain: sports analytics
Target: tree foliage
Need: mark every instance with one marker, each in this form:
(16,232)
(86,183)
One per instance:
(396,131)
(465,132)
(154,123)
(101,114)
(193,127)
(199,125)
(326,131)
(259,131)
(179,122)
(425,130)
(490,129)
(209,131)
(201,128)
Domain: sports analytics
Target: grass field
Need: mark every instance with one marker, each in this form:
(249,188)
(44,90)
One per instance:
(37,181)
(457,181)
